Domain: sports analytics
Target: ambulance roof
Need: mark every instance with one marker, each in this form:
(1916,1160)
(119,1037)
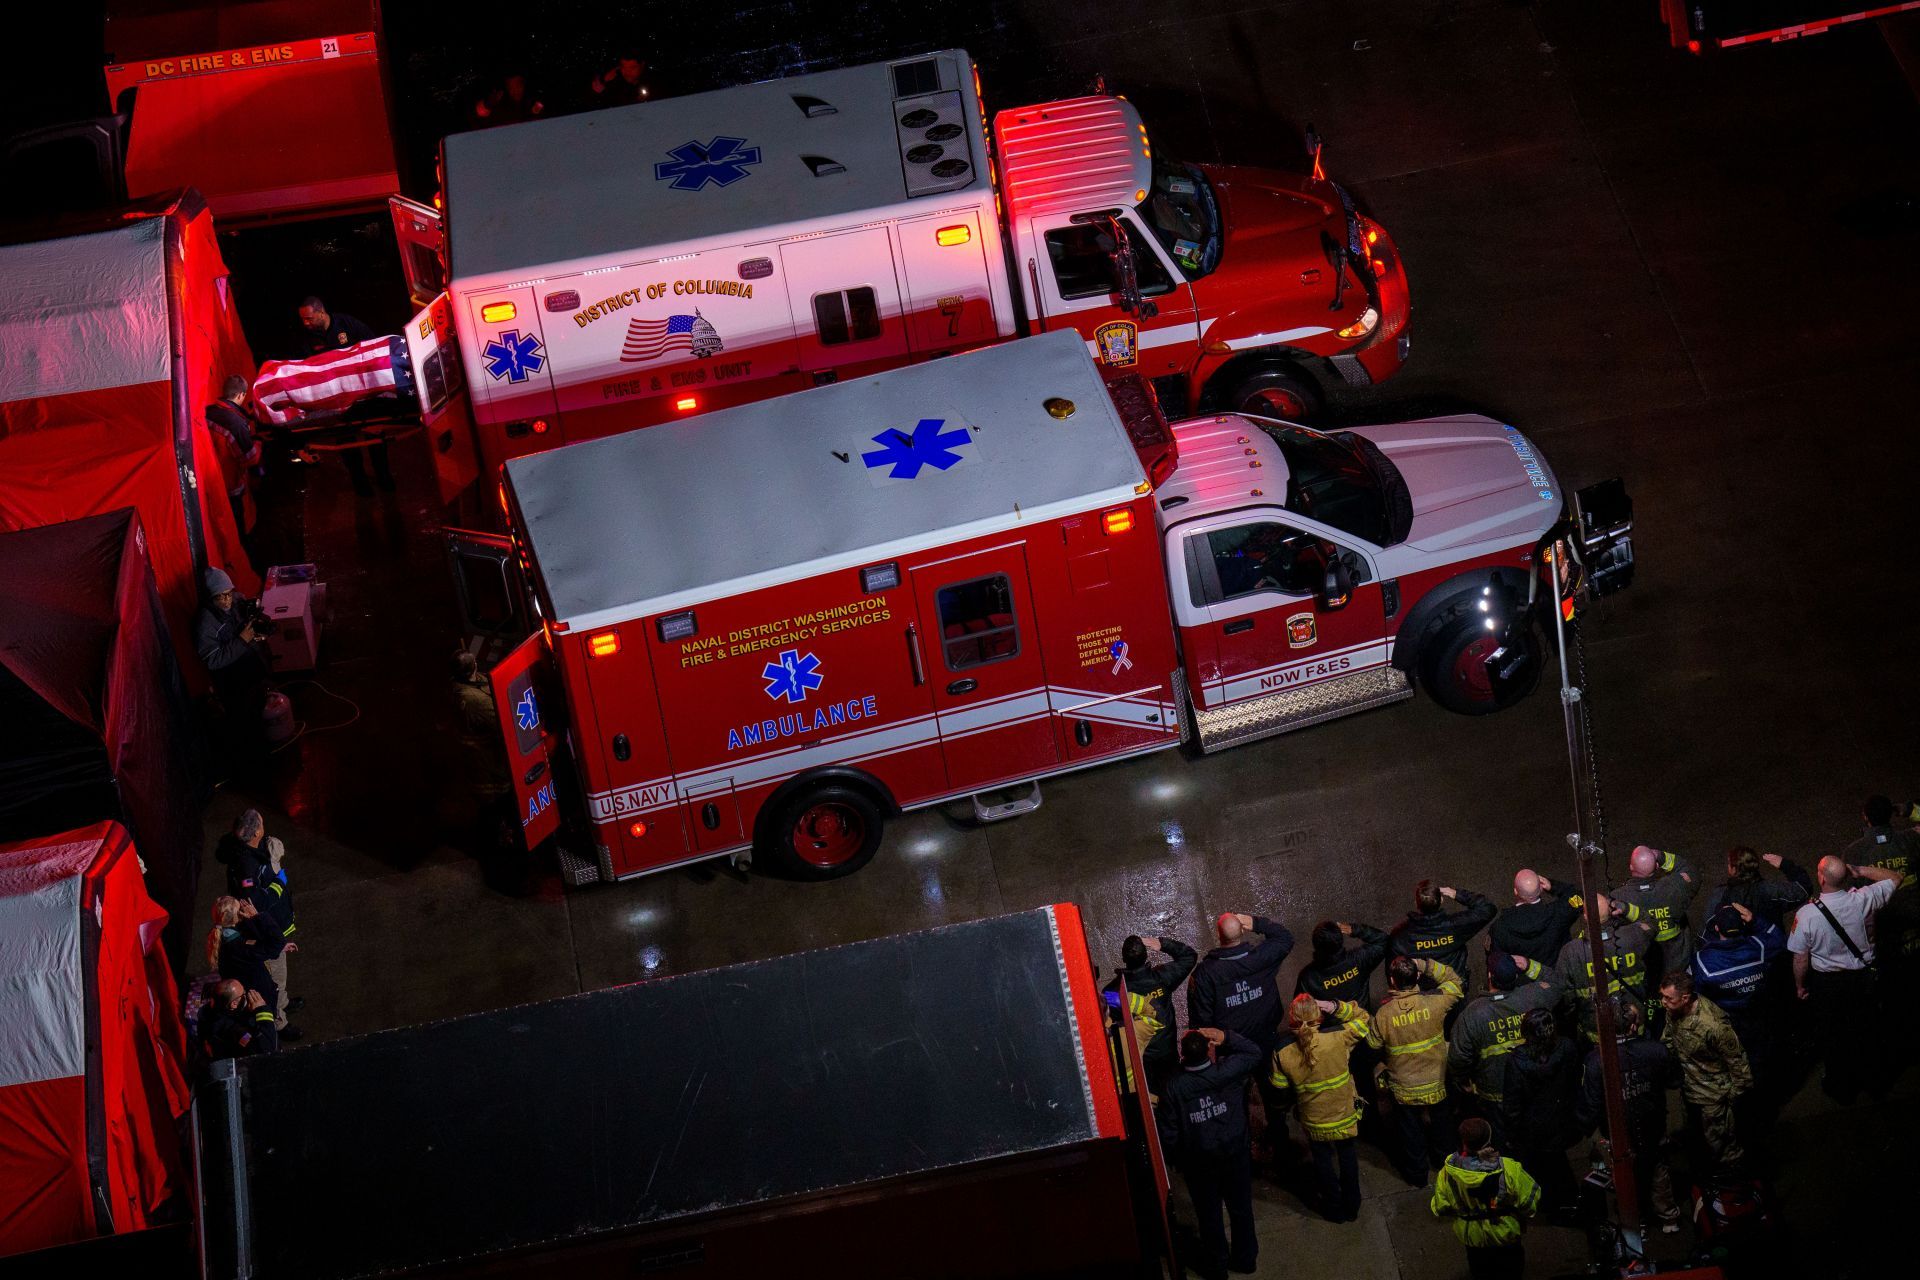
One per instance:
(1073,156)
(574,188)
(850,474)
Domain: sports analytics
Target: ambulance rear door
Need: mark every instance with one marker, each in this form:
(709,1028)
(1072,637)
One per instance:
(421,233)
(526,696)
(438,381)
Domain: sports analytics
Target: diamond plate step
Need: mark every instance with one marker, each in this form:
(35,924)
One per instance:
(576,870)
(1252,718)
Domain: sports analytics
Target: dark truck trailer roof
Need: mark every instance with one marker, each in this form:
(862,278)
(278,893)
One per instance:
(700,1120)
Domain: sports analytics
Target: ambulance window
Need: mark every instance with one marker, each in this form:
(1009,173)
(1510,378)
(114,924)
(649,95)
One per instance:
(436,379)
(1083,268)
(977,623)
(849,316)
(1264,556)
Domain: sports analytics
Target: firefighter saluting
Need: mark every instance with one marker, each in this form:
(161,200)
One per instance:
(1662,886)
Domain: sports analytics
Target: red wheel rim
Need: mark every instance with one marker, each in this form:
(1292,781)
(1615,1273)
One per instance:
(1275,402)
(829,834)
(1470,669)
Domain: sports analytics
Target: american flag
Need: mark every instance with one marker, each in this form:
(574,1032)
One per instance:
(289,390)
(651,339)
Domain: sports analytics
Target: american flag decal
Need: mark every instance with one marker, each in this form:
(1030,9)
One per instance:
(651,339)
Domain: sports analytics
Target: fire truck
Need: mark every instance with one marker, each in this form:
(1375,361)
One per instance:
(595,273)
(772,628)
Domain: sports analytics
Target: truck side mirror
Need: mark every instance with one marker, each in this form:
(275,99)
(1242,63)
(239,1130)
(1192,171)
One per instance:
(1336,588)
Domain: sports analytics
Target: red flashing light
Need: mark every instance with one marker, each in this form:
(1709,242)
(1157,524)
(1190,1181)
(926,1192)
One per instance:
(686,404)
(637,829)
(539,426)
(603,644)
(503,499)
(1117,521)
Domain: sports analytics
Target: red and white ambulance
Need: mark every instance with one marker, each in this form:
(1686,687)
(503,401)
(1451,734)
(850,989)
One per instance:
(769,629)
(623,268)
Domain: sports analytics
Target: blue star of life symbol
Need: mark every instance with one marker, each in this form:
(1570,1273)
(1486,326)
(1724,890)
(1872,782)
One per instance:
(928,446)
(526,716)
(792,676)
(722,162)
(513,357)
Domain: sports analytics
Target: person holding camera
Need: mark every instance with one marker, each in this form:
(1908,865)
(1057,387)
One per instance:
(226,636)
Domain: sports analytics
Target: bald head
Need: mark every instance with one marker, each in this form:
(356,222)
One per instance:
(1227,926)
(1645,861)
(230,993)
(1526,886)
(1833,873)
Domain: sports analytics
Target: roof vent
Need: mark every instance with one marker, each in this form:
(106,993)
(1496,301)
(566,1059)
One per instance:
(814,108)
(822,166)
(936,148)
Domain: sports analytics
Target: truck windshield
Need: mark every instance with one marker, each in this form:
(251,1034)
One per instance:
(1331,479)
(1184,216)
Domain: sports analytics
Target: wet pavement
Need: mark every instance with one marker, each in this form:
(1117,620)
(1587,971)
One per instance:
(1676,270)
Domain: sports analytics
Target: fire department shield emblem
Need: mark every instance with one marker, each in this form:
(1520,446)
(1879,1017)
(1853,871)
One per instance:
(1300,630)
(1119,343)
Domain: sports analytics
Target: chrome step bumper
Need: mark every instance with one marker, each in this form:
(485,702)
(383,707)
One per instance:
(1283,712)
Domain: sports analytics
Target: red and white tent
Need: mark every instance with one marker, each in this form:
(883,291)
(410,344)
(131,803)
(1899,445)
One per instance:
(91,1044)
(114,337)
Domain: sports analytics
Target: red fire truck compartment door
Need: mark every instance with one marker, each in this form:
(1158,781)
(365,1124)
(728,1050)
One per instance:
(528,705)
(980,653)
(302,138)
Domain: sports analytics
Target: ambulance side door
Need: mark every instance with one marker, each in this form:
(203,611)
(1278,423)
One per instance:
(515,370)
(845,296)
(976,646)
(949,298)
(527,699)
(1080,291)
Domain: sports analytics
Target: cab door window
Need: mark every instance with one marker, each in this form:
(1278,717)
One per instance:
(1082,268)
(977,622)
(1263,556)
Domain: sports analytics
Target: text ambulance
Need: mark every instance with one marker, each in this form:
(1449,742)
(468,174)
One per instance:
(773,627)
(623,268)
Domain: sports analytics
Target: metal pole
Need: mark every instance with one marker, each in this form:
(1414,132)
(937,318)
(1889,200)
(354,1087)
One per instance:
(1626,1186)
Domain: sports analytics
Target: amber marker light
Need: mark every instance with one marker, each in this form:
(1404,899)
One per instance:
(497,312)
(949,236)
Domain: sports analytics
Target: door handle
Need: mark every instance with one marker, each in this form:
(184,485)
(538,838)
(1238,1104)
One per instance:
(913,656)
(533,774)
(963,686)
(1238,625)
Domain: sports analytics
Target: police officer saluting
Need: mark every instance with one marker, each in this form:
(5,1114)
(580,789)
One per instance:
(1663,885)
(1431,932)
(1202,1117)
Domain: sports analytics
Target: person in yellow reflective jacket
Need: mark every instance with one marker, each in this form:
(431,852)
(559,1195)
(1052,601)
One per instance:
(1313,1065)
(1411,1025)
(1489,1199)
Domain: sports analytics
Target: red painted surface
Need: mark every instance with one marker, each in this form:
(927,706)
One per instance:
(1102,1080)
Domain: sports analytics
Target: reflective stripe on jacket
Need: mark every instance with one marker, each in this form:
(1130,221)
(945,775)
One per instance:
(1328,1104)
(1410,1024)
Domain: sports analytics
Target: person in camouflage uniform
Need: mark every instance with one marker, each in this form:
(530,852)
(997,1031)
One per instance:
(1629,947)
(1660,891)
(1713,1067)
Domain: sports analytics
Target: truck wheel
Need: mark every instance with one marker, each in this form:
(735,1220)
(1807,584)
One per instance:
(825,833)
(1275,393)
(1453,666)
